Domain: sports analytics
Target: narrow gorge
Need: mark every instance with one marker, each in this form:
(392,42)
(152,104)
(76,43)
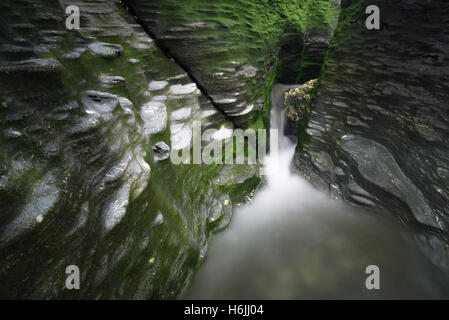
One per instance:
(92,117)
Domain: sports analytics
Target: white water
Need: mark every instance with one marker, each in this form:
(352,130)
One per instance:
(293,242)
(285,191)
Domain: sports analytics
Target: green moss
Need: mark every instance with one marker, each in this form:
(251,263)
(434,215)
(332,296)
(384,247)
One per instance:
(349,16)
(261,119)
(243,31)
(239,192)
(183,194)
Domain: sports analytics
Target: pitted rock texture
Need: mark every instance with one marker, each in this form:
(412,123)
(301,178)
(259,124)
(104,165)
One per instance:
(230,46)
(378,129)
(78,183)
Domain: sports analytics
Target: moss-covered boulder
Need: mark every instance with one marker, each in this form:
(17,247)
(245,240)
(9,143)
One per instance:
(297,106)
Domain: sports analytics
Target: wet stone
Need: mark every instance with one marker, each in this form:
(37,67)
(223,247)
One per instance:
(40,66)
(105,50)
(161,151)
(43,198)
(85,125)
(154,116)
(111,81)
(11,133)
(180,89)
(157,85)
(100,103)
(181,114)
(353,121)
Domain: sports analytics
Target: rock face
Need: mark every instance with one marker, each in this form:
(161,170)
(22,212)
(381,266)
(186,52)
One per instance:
(230,47)
(379,121)
(80,112)
(302,55)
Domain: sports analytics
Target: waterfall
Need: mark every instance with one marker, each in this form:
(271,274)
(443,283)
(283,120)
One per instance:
(277,167)
(294,242)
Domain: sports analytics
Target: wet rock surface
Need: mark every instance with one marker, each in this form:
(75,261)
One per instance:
(80,114)
(105,50)
(230,47)
(39,66)
(161,151)
(379,119)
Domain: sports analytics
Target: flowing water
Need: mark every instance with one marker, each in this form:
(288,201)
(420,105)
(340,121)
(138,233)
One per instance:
(293,242)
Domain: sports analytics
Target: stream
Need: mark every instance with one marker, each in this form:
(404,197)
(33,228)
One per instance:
(95,204)
(294,242)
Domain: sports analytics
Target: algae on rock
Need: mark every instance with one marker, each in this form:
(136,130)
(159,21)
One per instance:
(231,47)
(79,184)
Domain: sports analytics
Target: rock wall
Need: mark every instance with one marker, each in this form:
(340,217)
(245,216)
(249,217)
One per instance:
(86,118)
(377,134)
(230,47)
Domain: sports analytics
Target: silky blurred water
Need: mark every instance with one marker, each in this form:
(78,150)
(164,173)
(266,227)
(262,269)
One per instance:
(293,242)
